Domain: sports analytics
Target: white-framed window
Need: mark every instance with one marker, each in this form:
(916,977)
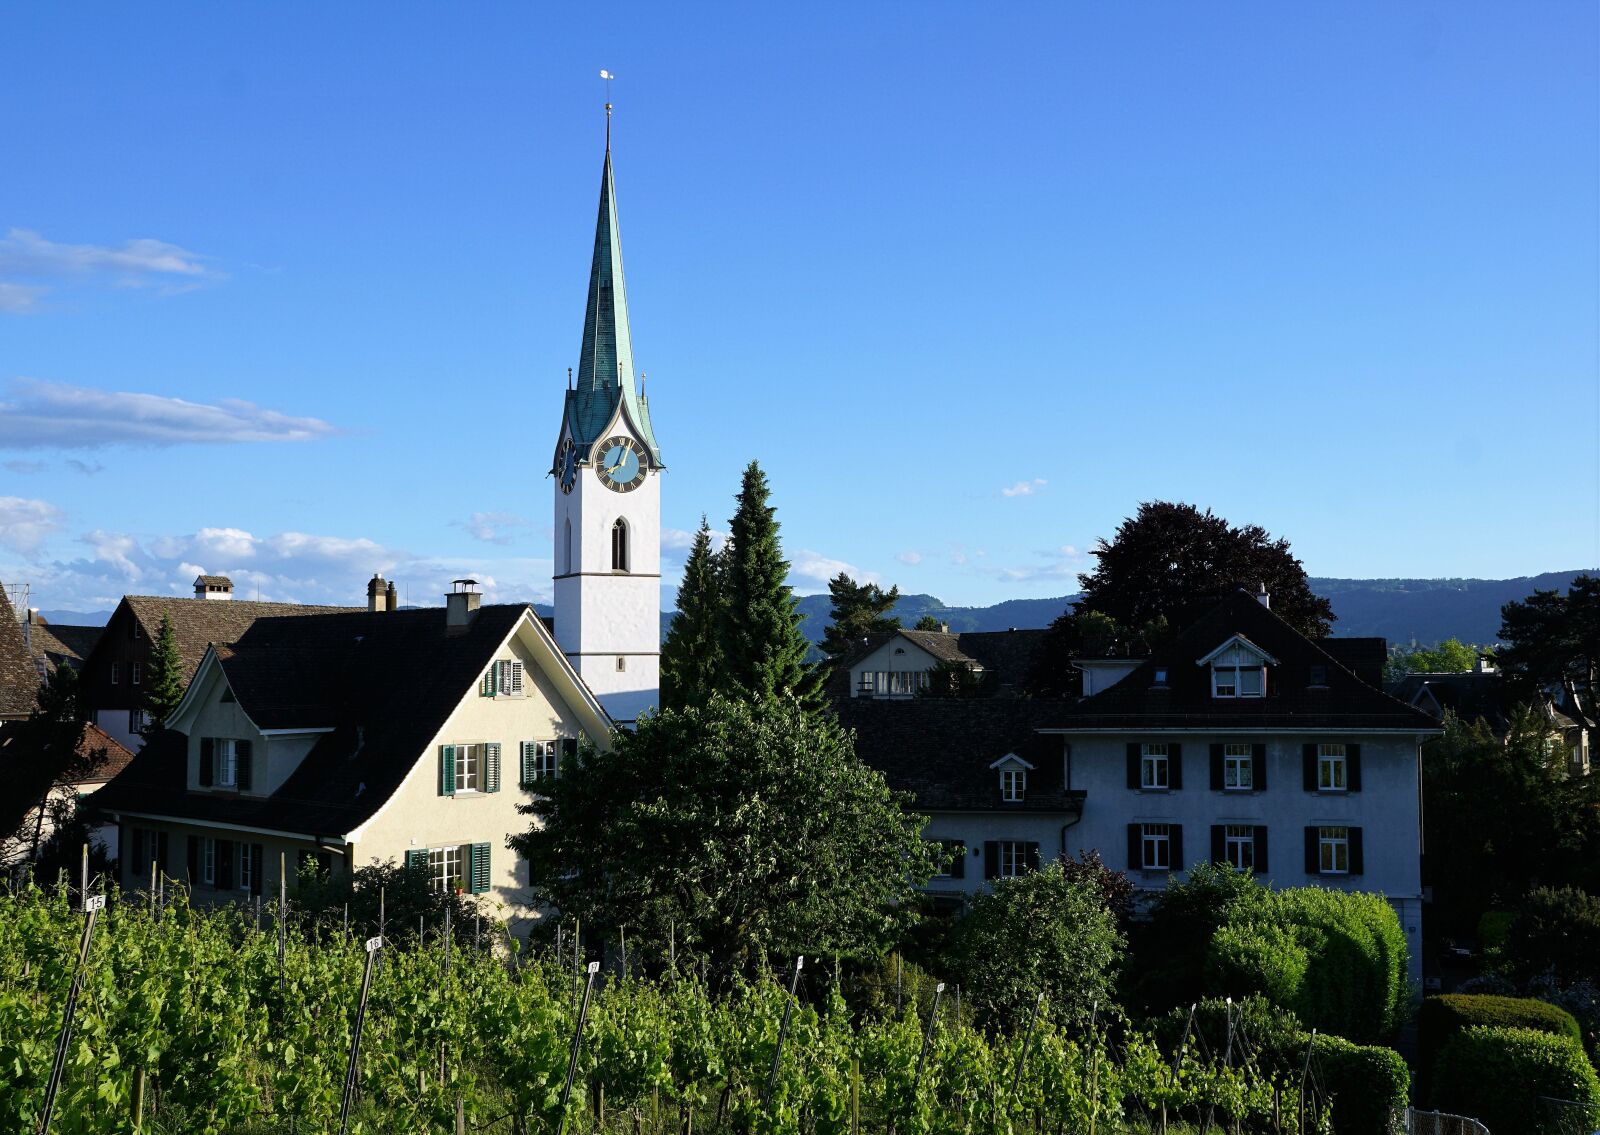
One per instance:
(136,721)
(1239,846)
(1333,851)
(541,761)
(136,672)
(1013,855)
(1238,681)
(1333,769)
(508,679)
(1156,847)
(953,864)
(447,868)
(227,763)
(1154,767)
(208,861)
(469,763)
(116,672)
(1161,676)
(247,865)
(1238,768)
(893,683)
(1013,783)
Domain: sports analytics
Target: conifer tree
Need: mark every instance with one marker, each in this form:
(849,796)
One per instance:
(165,687)
(763,651)
(859,610)
(691,657)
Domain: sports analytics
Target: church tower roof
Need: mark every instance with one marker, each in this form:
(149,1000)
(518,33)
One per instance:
(605,364)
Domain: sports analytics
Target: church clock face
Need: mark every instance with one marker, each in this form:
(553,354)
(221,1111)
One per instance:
(567,465)
(620,464)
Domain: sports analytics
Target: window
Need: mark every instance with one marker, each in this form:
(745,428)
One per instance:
(116,672)
(247,866)
(136,721)
(1154,769)
(954,864)
(208,861)
(893,683)
(1156,847)
(566,548)
(1237,681)
(619,545)
(468,758)
(227,763)
(508,680)
(1319,675)
(1161,676)
(622,664)
(1333,769)
(1238,768)
(1013,859)
(136,672)
(1239,846)
(446,869)
(540,760)
(1013,782)
(1333,851)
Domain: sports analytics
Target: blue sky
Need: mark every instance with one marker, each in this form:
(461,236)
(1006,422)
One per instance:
(290,291)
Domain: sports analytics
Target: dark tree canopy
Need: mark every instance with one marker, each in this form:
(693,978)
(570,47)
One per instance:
(763,651)
(46,760)
(742,828)
(1553,641)
(1172,561)
(691,656)
(1084,634)
(859,610)
(927,623)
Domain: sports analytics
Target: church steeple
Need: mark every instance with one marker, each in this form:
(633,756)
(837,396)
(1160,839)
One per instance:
(605,362)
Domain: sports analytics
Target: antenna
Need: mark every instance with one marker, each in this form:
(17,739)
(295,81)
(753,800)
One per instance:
(608,76)
(569,378)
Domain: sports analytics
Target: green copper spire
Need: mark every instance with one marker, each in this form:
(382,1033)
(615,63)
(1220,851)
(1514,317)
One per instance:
(605,365)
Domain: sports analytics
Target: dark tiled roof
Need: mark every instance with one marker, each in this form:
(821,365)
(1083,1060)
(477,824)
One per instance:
(213,581)
(384,681)
(62,644)
(940,750)
(26,765)
(1469,696)
(1345,703)
(196,623)
(1006,655)
(19,675)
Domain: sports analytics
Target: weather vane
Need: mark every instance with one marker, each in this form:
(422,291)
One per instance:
(607,76)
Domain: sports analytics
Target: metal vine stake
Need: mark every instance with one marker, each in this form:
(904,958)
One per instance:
(91,907)
(373,946)
(783,1030)
(577,1040)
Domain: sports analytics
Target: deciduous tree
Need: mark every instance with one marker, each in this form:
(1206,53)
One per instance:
(1553,640)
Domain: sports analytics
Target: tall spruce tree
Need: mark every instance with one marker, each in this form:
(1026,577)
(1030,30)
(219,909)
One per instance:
(164,688)
(691,657)
(763,651)
(859,610)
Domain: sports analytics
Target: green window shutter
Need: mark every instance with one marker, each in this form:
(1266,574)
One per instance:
(242,769)
(491,767)
(416,859)
(208,756)
(527,763)
(480,868)
(486,688)
(447,770)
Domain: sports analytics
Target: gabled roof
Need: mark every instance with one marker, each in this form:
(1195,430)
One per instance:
(26,764)
(19,674)
(1236,640)
(62,644)
(1185,702)
(383,683)
(1003,656)
(941,750)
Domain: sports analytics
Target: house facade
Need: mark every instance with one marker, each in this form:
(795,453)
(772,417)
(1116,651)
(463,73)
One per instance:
(358,738)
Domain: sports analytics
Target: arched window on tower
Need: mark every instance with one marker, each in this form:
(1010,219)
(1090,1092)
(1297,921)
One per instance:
(619,545)
(566,549)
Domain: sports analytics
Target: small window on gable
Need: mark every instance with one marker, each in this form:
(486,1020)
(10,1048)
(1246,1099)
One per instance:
(1319,676)
(1238,671)
(1013,783)
(1161,676)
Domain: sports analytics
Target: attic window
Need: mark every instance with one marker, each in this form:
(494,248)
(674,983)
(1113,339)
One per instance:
(1161,676)
(1319,676)
(1013,783)
(1237,681)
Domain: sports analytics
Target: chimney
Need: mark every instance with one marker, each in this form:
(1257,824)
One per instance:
(944,628)
(375,592)
(391,598)
(460,605)
(213,587)
(1263,596)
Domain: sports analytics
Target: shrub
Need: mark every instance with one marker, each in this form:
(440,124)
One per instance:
(1363,1082)
(1557,929)
(1494,929)
(1442,1017)
(1257,958)
(1498,1075)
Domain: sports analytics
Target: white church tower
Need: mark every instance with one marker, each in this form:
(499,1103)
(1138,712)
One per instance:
(608,496)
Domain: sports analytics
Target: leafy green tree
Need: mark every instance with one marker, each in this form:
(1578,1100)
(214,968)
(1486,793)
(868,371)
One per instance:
(1553,640)
(403,894)
(1039,932)
(45,761)
(165,676)
(691,656)
(1452,656)
(928,623)
(1557,931)
(763,651)
(744,829)
(1172,945)
(1172,561)
(859,610)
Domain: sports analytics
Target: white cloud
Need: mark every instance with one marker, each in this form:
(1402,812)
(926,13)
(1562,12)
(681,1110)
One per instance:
(909,557)
(817,568)
(1062,564)
(490,527)
(26,253)
(680,540)
(41,414)
(25,523)
(227,543)
(19,299)
(25,466)
(1024,488)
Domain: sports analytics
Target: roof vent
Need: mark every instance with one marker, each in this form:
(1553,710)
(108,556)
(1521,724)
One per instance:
(213,587)
(461,604)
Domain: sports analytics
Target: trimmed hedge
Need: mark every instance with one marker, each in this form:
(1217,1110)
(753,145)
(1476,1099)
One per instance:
(1497,1075)
(1363,1081)
(1338,960)
(1444,1016)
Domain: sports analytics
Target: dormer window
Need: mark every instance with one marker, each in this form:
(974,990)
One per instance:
(1238,669)
(1161,676)
(1013,778)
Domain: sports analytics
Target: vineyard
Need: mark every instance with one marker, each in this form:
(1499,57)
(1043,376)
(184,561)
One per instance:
(194,1020)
